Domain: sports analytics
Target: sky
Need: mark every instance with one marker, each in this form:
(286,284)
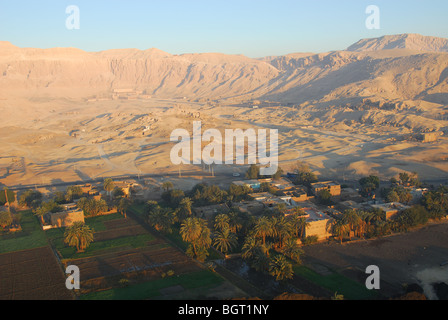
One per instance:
(255,28)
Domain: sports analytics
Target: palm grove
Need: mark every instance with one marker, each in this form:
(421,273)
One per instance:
(269,242)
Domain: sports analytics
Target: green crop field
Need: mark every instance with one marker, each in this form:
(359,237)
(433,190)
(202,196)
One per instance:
(31,236)
(335,282)
(151,289)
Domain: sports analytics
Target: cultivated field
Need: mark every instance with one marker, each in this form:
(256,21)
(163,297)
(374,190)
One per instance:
(128,261)
(32,275)
(405,259)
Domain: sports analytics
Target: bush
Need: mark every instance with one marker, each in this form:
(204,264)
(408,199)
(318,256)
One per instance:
(310,240)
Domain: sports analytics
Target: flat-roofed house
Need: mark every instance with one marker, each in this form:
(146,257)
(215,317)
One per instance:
(68,217)
(125,186)
(333,187)
(390,209)
(317,224)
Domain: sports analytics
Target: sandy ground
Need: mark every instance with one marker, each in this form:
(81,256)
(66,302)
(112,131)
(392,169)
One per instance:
(65,140)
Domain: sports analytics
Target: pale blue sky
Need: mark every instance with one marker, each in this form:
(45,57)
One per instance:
(254,28)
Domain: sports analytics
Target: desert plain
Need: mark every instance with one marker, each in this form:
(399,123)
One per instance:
(70,115)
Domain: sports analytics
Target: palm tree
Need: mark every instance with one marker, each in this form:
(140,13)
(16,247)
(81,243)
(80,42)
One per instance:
(377,215)
(123,206)
(235,221)
(298,225)
(109,186)
(249,247)
(161,219)
(280,268)
(195,231)
(292,250)
(282,230)
(40,212)
(185,209)
(261,261)
(225,240)
(352,219)
(222,222)
(79,235)
(338,228)
(263,228)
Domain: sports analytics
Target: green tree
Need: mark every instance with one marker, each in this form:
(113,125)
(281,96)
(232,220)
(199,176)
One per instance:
(185,209)
(282,229)
(369,185)
(253,172)
(109,186)
(304,175)
(222,222)
(5,219)
(225,240)
(436,202)
(195,231)
(338,228)
(161,219)
(123,206)
(292,250)
(72,193)
(352,220)
(404,178)
(277,175)
(167,186)
(7,195)
(30,199)
(173,197)
(238,193)
(298,224)
(324,196)
(47,207)
(392,196)
(263,228)
(281,268)
(79,235)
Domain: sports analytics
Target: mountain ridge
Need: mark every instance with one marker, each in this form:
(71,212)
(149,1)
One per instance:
(379,69)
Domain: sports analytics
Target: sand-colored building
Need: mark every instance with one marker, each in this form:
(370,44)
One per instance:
(251,207)
(68,217)
(298,194)
(391,209)
(428,137)
(333,187)
(125,186)
(317,223)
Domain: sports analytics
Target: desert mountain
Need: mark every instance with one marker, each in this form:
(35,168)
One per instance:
(403,41)
(388,69)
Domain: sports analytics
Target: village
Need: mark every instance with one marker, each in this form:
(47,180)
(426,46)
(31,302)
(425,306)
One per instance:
(264,222)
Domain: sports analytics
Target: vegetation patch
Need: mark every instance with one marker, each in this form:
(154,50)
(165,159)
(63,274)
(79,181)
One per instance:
(336,282)
(151,289)
(31,236)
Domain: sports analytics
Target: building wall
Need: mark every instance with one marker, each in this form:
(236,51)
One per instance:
(318,228)
(67,219)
